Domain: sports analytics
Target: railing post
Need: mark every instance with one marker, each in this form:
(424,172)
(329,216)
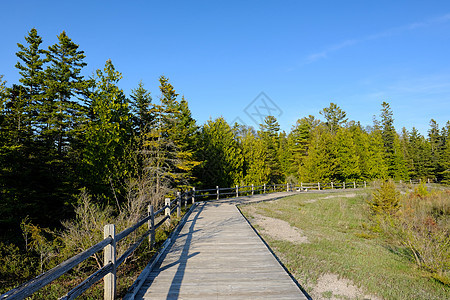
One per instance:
(318,185)
(264,191)
(274,188)
(237,191)
(287,187)
(332,185)
(217,189)
(301,186)
(253,190)
(193,195)
(428,180)
(354,185)
(178,205)
(167,211)
(343,184)
(365,184)
(151,226)
(110,257)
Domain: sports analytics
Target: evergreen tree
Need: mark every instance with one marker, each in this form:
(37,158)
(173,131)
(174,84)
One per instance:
(437,144)
(181,130)
(269,134)
(392,148)
(221,155)
(30,66)
(254,153)
(418,155)
(377,167)
(107,135)
(140,107)
(298,142)
(347,157)
(321,163)
(284,156)
(334,116)
(59,111)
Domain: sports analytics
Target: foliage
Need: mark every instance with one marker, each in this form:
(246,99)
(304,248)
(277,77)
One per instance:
(106,136)
(87,226)
(61,133)
(334,117)
(15,266)
(423,227)
(221,155)
(42,241)
(340,242)
(385,199)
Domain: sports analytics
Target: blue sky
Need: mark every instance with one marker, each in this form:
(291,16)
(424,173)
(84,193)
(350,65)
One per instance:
(222,54)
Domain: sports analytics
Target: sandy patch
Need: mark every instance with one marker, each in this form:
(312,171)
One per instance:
(310,201)
(330,286)
(351,195)
(277,229)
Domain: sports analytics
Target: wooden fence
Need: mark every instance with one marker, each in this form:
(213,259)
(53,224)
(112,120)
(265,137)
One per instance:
(108,244)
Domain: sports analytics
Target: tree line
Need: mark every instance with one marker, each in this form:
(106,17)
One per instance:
(63,133)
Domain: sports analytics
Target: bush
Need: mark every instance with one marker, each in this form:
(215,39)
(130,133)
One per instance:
(385,199)
(422,225)
(421,190)
(15,267)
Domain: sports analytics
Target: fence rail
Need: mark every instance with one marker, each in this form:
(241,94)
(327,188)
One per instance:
(108,244)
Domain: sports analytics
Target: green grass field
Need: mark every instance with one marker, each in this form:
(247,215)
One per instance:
(340,242)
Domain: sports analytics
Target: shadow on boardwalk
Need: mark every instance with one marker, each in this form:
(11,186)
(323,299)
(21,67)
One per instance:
(217,255)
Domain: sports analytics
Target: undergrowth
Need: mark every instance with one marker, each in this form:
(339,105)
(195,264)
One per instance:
(45,249)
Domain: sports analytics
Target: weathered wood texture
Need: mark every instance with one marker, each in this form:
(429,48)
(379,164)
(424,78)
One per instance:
(217,255)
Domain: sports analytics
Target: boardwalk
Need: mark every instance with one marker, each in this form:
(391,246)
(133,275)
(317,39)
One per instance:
(217,255)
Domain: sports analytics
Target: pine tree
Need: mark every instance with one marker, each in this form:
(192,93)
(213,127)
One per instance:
(418,155)
(284,156)
(437,144)
(269,134)
(221,155)
(298,143)
(59,111)
(140,107)
(377,167)
(321,163)
(347,157)
(254,153)
(181,130)
(392,148)
(334,116)
(107,135)
(31,65)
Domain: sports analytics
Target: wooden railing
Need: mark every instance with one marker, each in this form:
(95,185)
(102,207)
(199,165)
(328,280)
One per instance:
(108,244)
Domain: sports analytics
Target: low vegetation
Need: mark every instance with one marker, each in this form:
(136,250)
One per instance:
(398,253)
(86,229)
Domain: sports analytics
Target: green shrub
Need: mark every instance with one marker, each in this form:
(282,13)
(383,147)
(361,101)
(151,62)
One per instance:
(385,199)
(15,267)
(421,190)
(422,225)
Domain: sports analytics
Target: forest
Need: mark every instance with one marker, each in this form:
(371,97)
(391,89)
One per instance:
(64,134)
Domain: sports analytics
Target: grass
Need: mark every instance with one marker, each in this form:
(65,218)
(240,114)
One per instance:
(341,242)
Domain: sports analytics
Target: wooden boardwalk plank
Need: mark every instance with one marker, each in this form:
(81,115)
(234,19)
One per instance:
(217,255)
